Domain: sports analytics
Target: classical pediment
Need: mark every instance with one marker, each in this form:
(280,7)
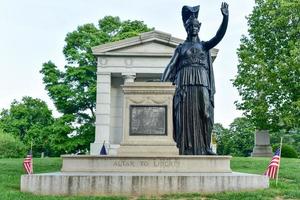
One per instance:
(153,43)
(149,43)
(151,47)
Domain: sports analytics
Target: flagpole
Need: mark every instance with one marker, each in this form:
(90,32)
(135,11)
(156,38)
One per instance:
(279,160)
(31,147)
(31,156)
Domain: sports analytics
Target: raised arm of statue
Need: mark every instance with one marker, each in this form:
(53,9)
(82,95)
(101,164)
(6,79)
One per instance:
(170,71)
(221,32)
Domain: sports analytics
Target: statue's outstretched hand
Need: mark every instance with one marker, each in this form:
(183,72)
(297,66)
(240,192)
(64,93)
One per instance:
(224,9)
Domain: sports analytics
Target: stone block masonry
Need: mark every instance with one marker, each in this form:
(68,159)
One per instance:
(139,183)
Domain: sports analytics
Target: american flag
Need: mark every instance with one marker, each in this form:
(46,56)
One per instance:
(274,165)
(28,163)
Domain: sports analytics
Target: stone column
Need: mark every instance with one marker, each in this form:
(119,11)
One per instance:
(102,112)
(128,78)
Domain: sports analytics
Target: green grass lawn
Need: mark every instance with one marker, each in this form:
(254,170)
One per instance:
(288,186)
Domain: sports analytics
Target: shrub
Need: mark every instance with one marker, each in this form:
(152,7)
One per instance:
(11,147)
(287,151)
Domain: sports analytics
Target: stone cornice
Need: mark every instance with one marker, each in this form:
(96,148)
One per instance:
(141,54)
(109,49)
(158,36)
(148,88)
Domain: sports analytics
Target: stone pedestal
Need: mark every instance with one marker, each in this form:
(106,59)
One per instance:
(262,146)
(148,119)
(141,175)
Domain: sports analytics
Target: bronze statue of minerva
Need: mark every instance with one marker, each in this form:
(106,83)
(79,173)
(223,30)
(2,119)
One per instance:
(190,69)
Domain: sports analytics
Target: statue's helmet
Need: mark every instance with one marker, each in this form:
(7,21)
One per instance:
(189,15)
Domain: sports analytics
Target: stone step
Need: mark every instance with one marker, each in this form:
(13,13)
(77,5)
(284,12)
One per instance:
(83,183)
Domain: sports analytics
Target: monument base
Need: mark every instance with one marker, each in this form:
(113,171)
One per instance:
(109,183)
(143,175)
(262,147)
(262,151)
(146,164)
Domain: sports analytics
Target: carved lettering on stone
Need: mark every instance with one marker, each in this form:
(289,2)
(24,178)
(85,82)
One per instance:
(159,163)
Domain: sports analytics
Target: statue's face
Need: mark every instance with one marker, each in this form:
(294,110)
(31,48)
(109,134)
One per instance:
(193,28)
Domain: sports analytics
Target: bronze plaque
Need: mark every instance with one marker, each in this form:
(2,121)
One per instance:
(148,120)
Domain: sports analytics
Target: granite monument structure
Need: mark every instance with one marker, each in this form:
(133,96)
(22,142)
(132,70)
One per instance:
(190,69)
(138,59)
(136,113)
(262,147)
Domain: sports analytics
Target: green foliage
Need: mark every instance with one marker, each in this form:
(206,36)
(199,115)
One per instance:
(242,131)
(60,134)
(238,140)
(73,90)
(295,141)
(287,151)
(291,138)
(222,137)
(10,146)
(268,77)
(28,121)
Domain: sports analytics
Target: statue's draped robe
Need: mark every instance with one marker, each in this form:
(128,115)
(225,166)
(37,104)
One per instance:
(191,71)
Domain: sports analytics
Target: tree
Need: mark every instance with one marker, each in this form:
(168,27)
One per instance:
(242,136)
(223,139)
(73,90)
(238,140)
(60,136)
(11,146)
(28,121)
(268,78)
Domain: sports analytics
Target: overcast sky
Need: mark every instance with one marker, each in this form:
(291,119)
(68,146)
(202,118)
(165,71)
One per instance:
(33,32)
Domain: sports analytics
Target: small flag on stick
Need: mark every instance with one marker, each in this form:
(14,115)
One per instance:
(273,165)
(103,149)
(279,160)
(28,163)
